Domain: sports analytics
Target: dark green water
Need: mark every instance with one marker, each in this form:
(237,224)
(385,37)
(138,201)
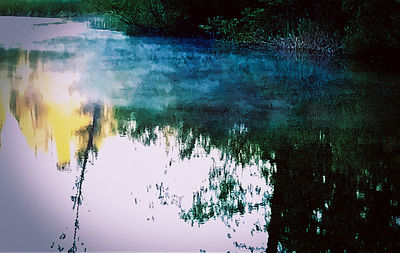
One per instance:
(116,143)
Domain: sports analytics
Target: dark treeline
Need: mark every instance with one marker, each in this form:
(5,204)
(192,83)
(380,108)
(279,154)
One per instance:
(359,28)
(45,8)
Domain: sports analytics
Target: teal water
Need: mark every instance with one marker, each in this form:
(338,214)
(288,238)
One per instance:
(114,143)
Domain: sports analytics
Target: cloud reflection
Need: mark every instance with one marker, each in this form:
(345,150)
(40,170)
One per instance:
(48,109)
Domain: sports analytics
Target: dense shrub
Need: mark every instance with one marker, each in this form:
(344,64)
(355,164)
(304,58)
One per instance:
(45,8)
(374,27)
(145,16)
(361,28)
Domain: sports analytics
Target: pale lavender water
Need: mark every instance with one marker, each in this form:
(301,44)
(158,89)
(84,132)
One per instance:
(121,207)
(116,143)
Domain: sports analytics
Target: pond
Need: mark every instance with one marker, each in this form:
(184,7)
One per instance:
(116,143)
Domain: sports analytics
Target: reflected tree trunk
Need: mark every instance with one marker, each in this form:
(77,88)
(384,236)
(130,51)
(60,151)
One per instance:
(85,157)
(299,195)
(275,223)
(273,228)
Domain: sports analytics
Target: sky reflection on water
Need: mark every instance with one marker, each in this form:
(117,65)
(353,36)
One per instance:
(138,189)
(110,143)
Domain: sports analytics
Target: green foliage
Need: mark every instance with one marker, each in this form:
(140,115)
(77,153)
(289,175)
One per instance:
(248,28)
(308,36)
(46,8)
(146,16)
(361,28)
(288,25)
(373,28)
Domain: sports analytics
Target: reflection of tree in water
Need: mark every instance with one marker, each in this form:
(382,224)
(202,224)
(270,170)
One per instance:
(205,129)
(42,102)
(47,109)
(299,192)
(228,197)
(333,159)
(84,156)
(334,165)
(325,199)
(336,187)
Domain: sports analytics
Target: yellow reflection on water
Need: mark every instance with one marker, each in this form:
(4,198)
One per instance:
(48,109)
(107,126)
(169,134)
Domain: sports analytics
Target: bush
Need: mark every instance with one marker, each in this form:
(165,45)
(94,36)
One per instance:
(43,8)
(245,29)
(146,16)
(309,37)
(361,28)
(374,28)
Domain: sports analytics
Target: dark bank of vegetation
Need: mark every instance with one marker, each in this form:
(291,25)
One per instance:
(362,29)
(45,8)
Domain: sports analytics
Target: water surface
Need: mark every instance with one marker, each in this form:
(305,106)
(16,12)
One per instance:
(114,143)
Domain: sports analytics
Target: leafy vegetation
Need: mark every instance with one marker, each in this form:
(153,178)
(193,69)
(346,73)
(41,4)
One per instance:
(44,8)
(374,27)
(355,27)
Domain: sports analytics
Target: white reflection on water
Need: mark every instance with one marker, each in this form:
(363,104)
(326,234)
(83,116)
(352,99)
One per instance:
(46,114)
(27,33)
(39,33)
(120,176)
(123,177)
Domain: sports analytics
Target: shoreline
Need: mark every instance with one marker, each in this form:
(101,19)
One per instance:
(292,47)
